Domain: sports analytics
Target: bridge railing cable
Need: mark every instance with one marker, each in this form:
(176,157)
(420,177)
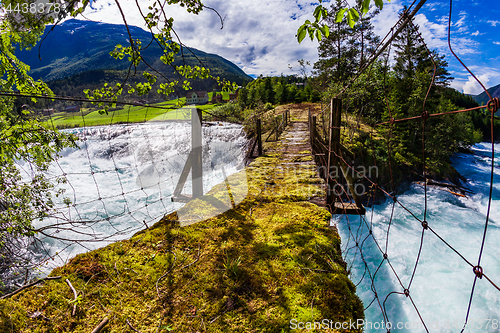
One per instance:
(362,232)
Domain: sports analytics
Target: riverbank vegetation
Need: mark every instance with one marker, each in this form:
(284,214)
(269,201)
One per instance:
(270,259)
(408,80)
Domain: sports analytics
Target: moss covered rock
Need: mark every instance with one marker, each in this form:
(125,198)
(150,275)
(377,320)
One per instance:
(264,257)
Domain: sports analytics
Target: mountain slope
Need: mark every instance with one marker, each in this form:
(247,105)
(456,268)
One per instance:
(76,46)
(483,98)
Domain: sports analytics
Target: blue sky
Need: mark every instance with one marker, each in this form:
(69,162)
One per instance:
(259,35)
(474,37)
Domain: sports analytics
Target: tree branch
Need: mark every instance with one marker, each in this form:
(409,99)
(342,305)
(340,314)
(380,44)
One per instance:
(29,285)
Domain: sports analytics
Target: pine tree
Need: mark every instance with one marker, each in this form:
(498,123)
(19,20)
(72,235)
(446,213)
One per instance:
(346,49)
(413,71)
(411,78)
(336,52)
(365,40)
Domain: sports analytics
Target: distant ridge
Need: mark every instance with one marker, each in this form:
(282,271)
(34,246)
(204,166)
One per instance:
(76,46)
(483,98)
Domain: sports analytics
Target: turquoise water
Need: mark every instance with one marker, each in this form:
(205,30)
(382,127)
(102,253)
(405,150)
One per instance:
(441,288)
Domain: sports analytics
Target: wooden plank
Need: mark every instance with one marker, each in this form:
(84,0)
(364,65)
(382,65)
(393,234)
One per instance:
(350,183)
(259,136)
(274,129)
(333,145)
(250,152)
(347,208)
(277,124)
(313,127)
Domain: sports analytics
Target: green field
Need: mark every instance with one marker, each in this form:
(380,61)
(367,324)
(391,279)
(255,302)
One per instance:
(168,110)
(225,95)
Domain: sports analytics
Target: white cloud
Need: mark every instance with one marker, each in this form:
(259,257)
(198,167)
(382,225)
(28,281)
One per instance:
(472,86)
(384,21)
(493,23)
(434,34)
(461,22)
(496,43)
(258,35)
(477,33)
(489,77)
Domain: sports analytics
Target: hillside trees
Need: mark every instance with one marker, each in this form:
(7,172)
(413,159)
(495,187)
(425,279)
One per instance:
(277,90)
(342,54)
(413,81)
(345,49)
(414,92)
(27,148)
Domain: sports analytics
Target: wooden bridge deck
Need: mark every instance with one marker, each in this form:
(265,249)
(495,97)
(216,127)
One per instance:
(297,151)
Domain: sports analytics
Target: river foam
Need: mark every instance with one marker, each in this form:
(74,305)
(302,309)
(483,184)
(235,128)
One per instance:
(441,287)
(122,179)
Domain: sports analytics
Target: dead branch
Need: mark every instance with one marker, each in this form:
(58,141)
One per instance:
(99,327)
(161,277)
(29,285)
(75,294)
(132,327)
(199,246)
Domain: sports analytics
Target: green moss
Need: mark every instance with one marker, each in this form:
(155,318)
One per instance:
(251,268)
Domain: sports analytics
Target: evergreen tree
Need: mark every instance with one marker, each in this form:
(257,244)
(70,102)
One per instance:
(268,91)
(365,40)
(243,97)
(345,49)
(410,81)
(281,90)
(412,57)
(336,53)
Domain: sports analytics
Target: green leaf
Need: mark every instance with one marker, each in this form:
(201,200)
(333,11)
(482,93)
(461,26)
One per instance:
(324,13)
(365,7)
(318,35)
(379,4)
(340,15)
(355,14)
(317,13)
(301,33)
(350,19)
(311,33)
(326,31)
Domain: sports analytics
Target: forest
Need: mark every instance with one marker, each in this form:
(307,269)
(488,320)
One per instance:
(405,81)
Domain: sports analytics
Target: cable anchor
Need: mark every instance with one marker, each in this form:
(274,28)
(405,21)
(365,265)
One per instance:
(478,270)
(425,115)
(493,105)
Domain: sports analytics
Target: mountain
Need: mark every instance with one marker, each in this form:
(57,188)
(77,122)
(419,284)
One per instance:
(76,47)
(483,98)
